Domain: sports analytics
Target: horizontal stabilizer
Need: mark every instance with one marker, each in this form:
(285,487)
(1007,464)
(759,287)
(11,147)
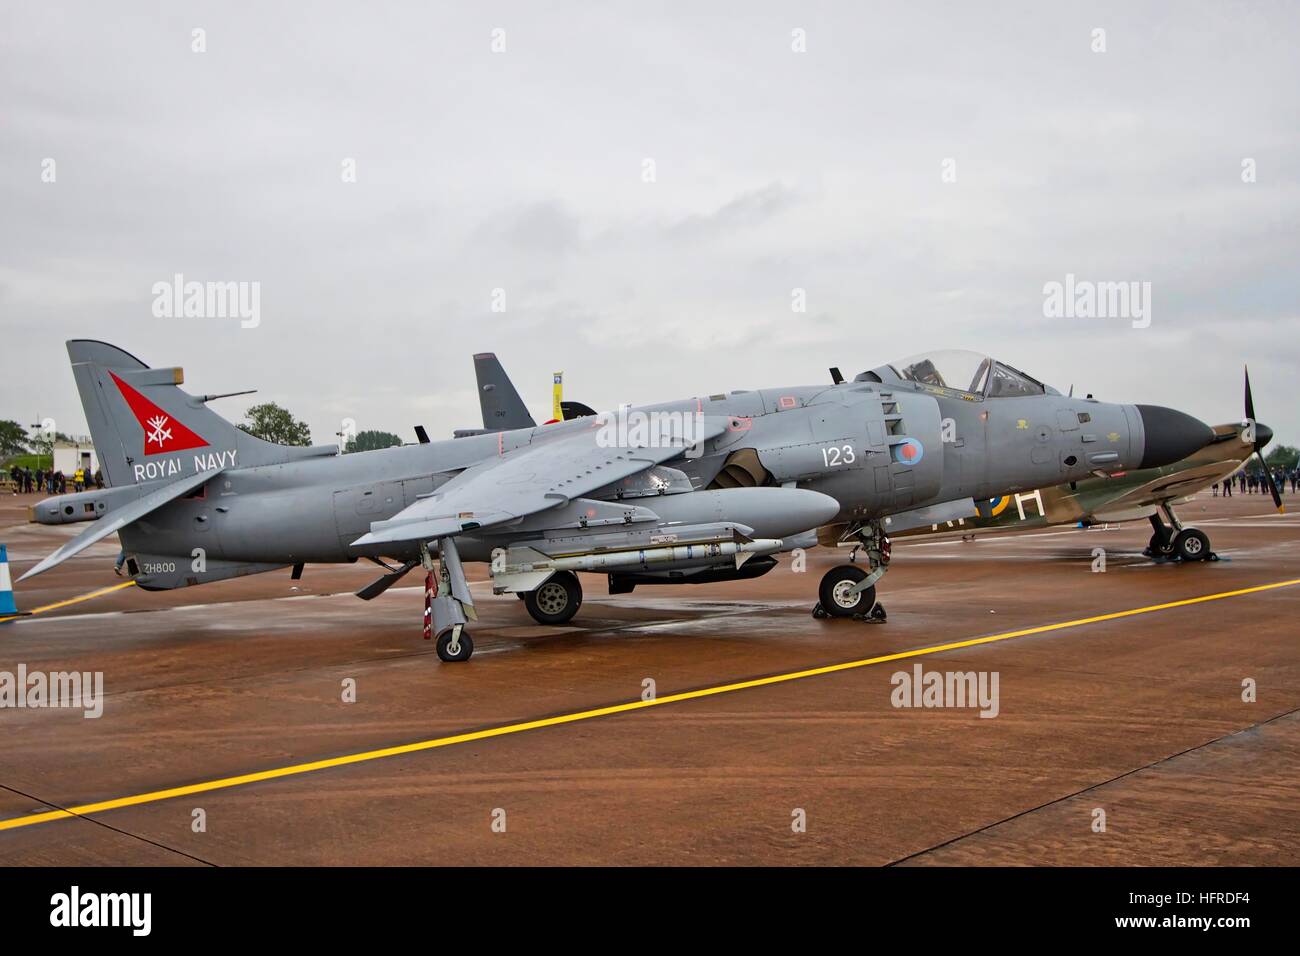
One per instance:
(119,518)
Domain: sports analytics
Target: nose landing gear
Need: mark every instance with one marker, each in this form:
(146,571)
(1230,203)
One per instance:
(840,596)
(849,590)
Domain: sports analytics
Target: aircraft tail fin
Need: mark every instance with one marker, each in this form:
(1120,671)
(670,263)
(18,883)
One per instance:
(502,407)
(145,427)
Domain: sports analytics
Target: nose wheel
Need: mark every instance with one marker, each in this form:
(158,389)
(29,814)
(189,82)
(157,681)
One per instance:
(841,595)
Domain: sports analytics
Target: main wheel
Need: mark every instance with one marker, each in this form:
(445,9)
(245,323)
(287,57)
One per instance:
(454,651)
(1160,545)
(1192,544)
(836,599)
(556,601)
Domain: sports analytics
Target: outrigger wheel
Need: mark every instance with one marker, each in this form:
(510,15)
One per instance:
(455,645)
(837,599)
(556,601)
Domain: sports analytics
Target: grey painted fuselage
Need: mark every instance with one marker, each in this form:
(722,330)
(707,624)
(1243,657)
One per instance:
(882,445)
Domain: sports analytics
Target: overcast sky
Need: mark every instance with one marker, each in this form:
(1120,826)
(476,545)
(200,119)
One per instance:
(525,170)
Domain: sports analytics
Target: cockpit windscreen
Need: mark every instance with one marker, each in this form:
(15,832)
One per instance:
(957,370)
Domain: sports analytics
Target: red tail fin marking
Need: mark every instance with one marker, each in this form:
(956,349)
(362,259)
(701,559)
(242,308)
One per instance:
(162,433)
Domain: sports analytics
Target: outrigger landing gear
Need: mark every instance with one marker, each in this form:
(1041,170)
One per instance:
(1172,540)
(849,590)
(448,605)
(455,644)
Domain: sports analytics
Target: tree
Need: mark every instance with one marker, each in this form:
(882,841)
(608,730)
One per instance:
(1282,456)
(13,439)
(270,422)
(42,442)
(370,440)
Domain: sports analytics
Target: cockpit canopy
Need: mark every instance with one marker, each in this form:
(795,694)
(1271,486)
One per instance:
(958,370)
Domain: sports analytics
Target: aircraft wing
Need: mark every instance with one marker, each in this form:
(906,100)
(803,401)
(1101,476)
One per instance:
(119,518)
(545,474)
(1165,488)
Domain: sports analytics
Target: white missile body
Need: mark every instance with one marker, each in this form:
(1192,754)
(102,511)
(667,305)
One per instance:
(526,568)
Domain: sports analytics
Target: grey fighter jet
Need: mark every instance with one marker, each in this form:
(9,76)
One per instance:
(710,488)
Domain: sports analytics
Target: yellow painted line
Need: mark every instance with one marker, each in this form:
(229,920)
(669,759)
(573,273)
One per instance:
(73,600)
(226,783)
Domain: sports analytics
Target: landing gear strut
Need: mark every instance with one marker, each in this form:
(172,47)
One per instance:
(1172,540)
(448,605)
(849,590)
(1162,538)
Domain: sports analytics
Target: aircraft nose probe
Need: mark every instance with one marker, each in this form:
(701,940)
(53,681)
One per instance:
(1170,435)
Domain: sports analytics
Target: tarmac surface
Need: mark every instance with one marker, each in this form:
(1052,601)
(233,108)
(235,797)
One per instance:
(1138,717)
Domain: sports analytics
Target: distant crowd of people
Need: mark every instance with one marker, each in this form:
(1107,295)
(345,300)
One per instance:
(52,482)
(1253,482)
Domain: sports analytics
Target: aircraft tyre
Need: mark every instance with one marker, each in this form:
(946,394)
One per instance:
(556,601)
(1160,545)
(454,648)
(835,599)
(1192,544)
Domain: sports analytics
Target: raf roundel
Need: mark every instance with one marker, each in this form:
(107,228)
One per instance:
(908,452)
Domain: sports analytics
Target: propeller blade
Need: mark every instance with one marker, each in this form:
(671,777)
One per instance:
(1272,485)
(1260,442)
(383,583)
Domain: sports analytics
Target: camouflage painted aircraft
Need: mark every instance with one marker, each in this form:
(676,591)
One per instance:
(1150,493)
(709,488)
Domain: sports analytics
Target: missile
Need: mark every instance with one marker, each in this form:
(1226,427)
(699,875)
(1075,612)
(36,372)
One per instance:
(525,566)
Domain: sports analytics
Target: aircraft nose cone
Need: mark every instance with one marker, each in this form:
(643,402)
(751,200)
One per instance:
(1263,434)
(1171,435)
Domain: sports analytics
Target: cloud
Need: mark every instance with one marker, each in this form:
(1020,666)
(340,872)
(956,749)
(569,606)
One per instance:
(542,228)
(776,171)
(746,211)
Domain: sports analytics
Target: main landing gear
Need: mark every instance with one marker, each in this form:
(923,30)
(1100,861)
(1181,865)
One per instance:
(556,601)
(849,590)
(1174,542)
